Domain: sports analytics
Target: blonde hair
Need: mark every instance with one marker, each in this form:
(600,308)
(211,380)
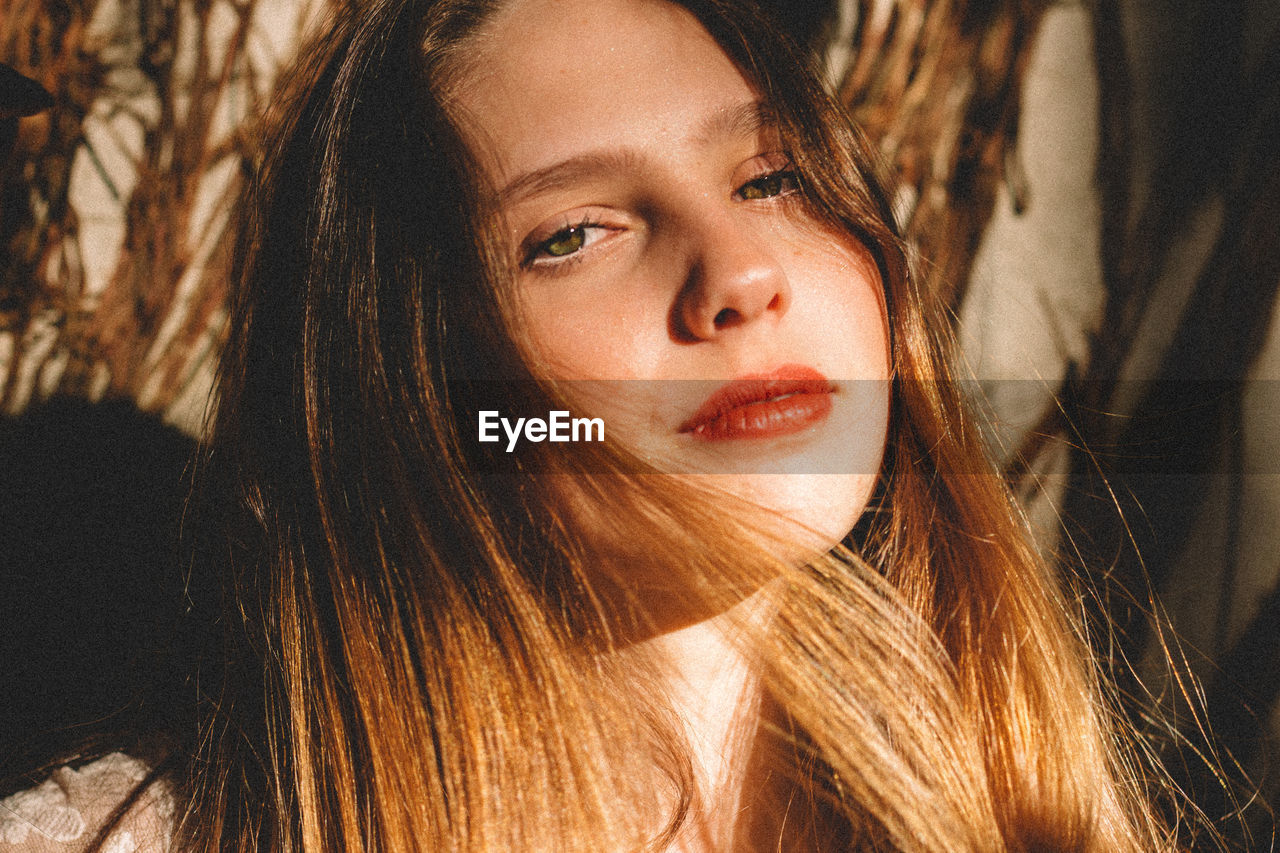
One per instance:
(419,650)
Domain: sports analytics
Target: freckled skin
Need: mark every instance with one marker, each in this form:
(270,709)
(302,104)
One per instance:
(687,256)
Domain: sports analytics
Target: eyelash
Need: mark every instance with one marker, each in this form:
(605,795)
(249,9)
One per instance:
(787,175)
(539,254)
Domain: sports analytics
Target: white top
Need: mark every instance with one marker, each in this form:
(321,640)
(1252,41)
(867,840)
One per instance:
(66,811)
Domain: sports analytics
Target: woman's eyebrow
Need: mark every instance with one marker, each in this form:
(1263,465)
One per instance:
(739,121)
(742,120)
(576,169)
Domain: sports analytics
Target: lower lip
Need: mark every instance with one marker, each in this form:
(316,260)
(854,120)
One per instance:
(767,418)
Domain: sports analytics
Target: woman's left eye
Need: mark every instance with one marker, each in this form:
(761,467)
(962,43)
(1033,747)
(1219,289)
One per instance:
(783,182)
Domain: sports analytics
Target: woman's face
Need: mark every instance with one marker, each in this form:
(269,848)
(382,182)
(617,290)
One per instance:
(666,262)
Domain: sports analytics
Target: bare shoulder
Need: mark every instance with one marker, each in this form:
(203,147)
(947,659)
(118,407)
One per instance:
(66,811)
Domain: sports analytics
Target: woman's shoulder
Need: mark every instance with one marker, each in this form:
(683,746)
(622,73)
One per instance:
(66,812)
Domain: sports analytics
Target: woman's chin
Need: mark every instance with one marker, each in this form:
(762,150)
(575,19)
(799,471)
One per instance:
(801,515)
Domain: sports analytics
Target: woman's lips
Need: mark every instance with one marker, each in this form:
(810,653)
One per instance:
(784,401)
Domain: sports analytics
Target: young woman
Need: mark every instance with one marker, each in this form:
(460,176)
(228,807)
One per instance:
(783,605)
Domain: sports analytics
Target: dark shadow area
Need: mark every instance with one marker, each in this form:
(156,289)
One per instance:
(99,629)
(806,20)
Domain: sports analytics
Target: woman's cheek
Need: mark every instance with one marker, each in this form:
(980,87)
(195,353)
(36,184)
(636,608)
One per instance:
(596,338)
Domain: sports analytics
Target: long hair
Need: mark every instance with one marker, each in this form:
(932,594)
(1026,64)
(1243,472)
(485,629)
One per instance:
(418,656)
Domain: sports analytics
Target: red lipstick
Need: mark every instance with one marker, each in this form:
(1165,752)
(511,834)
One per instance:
(781,402)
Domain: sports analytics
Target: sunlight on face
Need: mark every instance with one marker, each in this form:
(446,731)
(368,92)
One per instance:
(666,261)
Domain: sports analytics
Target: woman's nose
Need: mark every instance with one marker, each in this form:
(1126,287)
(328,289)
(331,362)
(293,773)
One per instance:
(735,279)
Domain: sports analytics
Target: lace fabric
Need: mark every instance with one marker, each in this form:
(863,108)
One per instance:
(66,812)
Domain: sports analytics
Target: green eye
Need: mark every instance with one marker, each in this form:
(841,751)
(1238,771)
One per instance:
(769,186)
(564,246)
(565,242)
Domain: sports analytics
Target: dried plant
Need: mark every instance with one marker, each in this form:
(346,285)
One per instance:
(194,88)
(937,85)
(39,271)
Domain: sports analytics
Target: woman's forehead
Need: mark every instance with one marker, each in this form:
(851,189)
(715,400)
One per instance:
(552,79)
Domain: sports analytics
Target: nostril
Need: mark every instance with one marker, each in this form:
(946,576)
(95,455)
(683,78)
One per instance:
(725,318)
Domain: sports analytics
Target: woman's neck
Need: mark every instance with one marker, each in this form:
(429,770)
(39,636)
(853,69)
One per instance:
(715,693)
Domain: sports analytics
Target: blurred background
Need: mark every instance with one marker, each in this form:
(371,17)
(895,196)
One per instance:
(1092,186)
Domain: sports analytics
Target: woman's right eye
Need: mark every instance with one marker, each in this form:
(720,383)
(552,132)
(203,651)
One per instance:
(563,244)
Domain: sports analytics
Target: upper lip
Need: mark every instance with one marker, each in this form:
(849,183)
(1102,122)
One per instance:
(757,388)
